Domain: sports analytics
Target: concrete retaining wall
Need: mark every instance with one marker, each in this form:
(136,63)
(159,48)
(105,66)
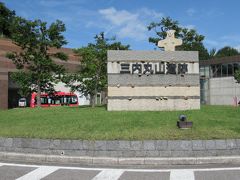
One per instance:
(148,148)
(222,91)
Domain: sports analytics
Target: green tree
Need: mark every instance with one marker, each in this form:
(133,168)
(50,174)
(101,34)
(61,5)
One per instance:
(35,38)
(237,76)
(192,41)
(6,18)
(92,75)
(24,82)
(227,51)
(212,53)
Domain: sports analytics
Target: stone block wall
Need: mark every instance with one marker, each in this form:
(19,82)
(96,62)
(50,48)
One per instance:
(122,148)
(130,89)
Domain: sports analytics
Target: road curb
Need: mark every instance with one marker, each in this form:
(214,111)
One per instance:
(116,161)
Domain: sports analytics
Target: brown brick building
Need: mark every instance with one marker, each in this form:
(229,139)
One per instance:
(8,89)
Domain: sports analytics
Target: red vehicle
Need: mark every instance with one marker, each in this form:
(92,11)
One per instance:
(57,99)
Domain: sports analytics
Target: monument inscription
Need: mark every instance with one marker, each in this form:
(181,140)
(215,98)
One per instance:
(153,80)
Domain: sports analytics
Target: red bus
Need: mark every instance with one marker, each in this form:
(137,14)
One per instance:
(57,99)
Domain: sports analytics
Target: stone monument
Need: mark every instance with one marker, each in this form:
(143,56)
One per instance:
(153,80)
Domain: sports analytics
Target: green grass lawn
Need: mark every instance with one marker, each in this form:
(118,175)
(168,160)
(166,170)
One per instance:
(211,122)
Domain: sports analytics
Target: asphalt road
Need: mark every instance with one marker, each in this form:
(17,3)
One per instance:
(10,171)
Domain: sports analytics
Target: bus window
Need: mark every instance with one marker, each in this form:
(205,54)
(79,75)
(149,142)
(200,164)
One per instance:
(55,100)
(74,99)
(44,100)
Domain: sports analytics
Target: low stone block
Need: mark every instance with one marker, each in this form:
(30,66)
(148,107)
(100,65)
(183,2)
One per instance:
(124,145)
(152,153)
(101,153)
(77,144)
(55,144)
(231,143)
(166,153)
(8,142)
(182,154)
(136,145)
(210,144)
(66,144)
(179,145)
(140,153)
(115,153)
(100,145)
(211,152)
(224,152)
(161,144)
(90,153)
(44,144)
(221,144)
(2,142)
(113,145)
(235,152)
(198,145)
(129,153)
(200,153)
(88,145)
(17,142)
(238,143)
(149,145)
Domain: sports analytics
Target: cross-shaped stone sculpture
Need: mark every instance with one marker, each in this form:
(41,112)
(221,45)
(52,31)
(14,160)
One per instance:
(170,42)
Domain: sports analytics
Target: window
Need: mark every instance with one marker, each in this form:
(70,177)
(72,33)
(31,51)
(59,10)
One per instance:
(235,67)
(224,70)
(73,99)
(230,69)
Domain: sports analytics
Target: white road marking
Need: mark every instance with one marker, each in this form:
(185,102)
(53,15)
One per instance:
(108,175)
(39,173)
(182,175)
(134,170)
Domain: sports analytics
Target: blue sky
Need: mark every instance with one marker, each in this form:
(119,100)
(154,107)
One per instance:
(217,20)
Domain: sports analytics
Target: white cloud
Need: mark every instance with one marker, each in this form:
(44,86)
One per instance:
(118,17)
(191,11)
(151,13)
(211,42)
(126,24)
(237,47)
(222,42)
(235,38)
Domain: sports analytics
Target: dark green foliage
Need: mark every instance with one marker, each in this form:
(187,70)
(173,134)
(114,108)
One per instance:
(6,18)
(61,55)
(227,51)
(23,79)
(212,53)
(192,41)
(237,76)
(35,38)
(92,76)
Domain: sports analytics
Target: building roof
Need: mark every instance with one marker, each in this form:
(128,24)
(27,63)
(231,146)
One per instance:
(6,65)
(222,60)
(6,45)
